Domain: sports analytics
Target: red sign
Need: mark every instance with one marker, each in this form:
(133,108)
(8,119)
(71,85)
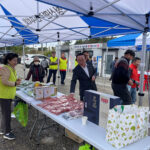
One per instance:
(104,100)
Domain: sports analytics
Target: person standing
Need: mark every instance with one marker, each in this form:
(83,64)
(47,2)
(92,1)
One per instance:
(120,78)
(112,66)
(8,83)
(86,55)
(85,74)
(44,64)
(94,62)
(36,71)
(134,77)
(63,67)
(76,63)
(53,67)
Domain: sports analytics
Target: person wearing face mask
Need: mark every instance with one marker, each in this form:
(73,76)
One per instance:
(36,70)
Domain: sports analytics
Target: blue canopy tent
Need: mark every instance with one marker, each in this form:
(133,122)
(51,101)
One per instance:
(133,41)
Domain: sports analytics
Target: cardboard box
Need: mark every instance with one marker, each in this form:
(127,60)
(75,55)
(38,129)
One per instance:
(46,92)
(38,92)
(73,136)
(53,90)
(97,105)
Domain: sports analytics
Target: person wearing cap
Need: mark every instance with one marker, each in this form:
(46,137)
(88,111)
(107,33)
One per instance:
(36,71)
(63,67)
(53,67)
(121,78)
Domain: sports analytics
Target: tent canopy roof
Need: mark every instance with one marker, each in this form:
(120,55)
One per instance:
(29,22)
(129,13)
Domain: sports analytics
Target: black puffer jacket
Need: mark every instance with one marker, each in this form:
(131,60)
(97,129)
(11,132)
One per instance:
(121,72)
(37,73)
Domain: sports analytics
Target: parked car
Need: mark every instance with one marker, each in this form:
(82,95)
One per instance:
(29,59)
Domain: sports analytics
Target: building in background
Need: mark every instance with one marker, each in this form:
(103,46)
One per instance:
(98,50)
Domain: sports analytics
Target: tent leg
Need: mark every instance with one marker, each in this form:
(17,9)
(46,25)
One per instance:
(24,67)
(42,47)
(5,49)
(58,50)
(143,53)
(105,66)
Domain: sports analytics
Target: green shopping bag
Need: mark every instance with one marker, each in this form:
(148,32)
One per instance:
(86,147)
(21,113)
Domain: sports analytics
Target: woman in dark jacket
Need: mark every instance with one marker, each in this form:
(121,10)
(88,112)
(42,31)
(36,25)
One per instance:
(36,70)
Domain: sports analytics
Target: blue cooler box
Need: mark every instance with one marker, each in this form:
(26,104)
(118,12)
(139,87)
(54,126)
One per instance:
(97,105)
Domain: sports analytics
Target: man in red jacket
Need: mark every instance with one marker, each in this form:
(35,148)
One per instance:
(134,77)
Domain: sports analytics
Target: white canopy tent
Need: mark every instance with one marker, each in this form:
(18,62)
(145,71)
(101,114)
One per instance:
(36,22)
(134,14)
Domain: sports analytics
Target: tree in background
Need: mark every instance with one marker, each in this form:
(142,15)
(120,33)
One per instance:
(48,53)
(96,40)
(66,43)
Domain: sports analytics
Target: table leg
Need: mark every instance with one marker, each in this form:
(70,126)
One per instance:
(35,122)
(41,128)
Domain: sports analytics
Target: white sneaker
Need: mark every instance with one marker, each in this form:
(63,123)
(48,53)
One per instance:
(1,133)
(12,115)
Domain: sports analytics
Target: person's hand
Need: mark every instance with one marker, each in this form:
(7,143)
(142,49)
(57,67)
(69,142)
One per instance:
(18,81)
(93,78)
(130,82)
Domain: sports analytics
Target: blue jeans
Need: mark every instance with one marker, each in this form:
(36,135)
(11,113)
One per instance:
(133,95)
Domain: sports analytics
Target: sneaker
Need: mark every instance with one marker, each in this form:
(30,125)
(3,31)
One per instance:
(1,132)
(12,115)
(9,136)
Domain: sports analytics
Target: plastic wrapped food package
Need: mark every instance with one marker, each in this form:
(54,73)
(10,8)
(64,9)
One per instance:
(62,104)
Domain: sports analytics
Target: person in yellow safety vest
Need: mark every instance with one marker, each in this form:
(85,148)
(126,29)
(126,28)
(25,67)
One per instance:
(76,63)
(53,67)
(8,83)
(63,67)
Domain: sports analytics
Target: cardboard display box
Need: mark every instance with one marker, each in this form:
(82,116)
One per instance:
(44,92)
(97,105)
(38,92)
(53,90)
(73,136)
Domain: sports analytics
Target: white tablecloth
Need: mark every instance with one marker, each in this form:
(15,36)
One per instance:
(93,134)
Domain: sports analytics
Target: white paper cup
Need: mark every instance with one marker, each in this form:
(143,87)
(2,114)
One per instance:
(84,119)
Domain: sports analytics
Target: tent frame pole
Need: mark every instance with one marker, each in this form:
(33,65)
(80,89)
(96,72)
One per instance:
(37,16)
(143,55)
(5,48)
(24,67)
(106,57)
(42,47)
(59,50)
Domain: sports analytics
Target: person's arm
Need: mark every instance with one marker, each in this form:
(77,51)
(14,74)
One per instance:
(124,71)
(29,74)
(73,82)
(5,74)
(43,72)
(54,63)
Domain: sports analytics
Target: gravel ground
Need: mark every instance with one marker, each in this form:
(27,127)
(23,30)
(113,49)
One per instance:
(52,138)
